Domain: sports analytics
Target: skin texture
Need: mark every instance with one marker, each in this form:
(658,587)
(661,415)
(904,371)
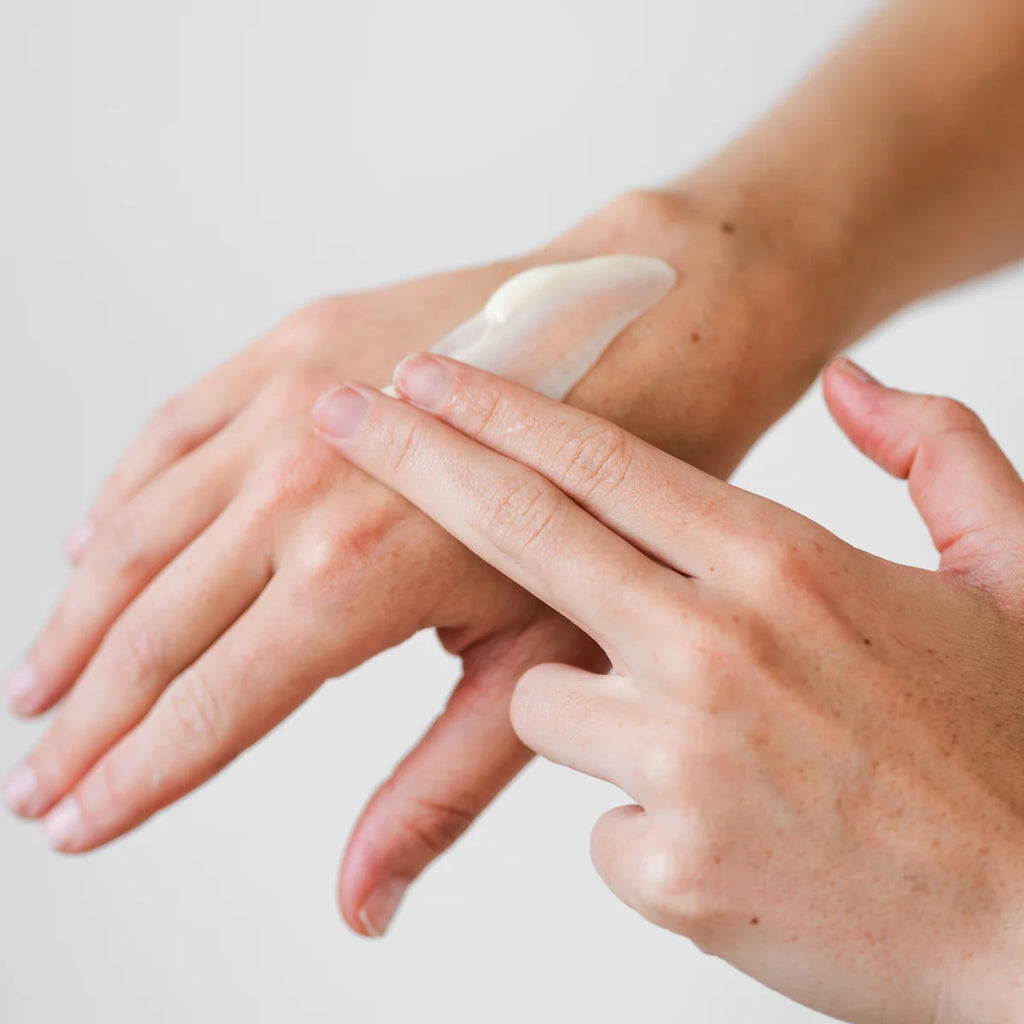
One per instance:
(234,566)
(230,566)
(823,747)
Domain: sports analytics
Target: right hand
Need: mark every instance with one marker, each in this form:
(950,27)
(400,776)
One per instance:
(823,747)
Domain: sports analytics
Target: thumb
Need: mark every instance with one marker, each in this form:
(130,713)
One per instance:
(968,493)
(467,756)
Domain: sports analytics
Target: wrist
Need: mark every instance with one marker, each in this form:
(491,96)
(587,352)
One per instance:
(737,340)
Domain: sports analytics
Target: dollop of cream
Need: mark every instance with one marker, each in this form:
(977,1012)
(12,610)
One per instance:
(546,327)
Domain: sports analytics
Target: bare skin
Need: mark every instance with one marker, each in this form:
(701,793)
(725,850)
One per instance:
(823,747)
(230,566)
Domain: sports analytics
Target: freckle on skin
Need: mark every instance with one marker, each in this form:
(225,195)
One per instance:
(695,337)
(728,228)
(755,920)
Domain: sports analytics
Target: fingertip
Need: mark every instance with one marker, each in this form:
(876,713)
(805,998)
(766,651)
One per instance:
(21,791)
(381,905)
(63,826)
(75,544)
(852,372)
(424,380)
(854,398)
(368,897)
(21,689)
(340,412)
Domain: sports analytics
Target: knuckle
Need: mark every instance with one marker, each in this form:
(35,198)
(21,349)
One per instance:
(948,414)
(293,389)
(594,461)
(399,445)
(478,409)
(169,422)
(679,881)
(293,473)
(112,785)
(325,563)
(314,324)
(54,758)
(196,713)
(681,752)
(518,513)
(317,562)
(124,543)
(434,824)
(664,763)
(135,646)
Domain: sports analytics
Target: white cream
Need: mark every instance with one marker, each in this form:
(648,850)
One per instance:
(546,327)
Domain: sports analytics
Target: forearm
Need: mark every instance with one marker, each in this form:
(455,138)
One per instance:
(895,170)
(899,163)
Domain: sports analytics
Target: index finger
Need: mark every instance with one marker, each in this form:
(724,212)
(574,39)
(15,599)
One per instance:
(510,515)
(676,512)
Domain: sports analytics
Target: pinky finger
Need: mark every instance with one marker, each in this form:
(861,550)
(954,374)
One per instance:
(615,844)
(668,877)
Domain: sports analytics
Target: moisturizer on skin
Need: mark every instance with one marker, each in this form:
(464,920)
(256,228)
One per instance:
(546,327)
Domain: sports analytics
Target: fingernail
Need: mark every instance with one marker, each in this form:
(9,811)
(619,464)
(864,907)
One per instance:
(75,543)
(855,370)
(20,789)
(63,823)
(340,412)
(379,909)
(18,687)
(423,380)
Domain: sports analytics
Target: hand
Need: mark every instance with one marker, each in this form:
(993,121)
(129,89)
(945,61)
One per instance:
(233,562)
(824,747)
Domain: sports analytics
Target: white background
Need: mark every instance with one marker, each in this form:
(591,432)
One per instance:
(176,177)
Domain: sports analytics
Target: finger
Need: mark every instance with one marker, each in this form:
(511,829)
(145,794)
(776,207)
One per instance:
(177,428)
(579,719)
(665,873)
(469,754)
(967,491)
(258,672)
(615,844)
(511,516)
(661,505)
(178,616)
(149,532)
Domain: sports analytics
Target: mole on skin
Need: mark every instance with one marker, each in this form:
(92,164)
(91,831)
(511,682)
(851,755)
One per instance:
(546,327)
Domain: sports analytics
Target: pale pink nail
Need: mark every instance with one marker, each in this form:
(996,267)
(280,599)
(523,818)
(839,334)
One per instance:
(424,380)
(63,823)
(340,412)
(75,543)
(19,686)
(20,789)
(855,370)
(379,909)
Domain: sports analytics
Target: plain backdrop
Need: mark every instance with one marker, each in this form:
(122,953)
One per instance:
(178,176)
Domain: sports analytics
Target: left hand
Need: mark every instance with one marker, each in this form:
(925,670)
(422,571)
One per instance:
(824,747)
